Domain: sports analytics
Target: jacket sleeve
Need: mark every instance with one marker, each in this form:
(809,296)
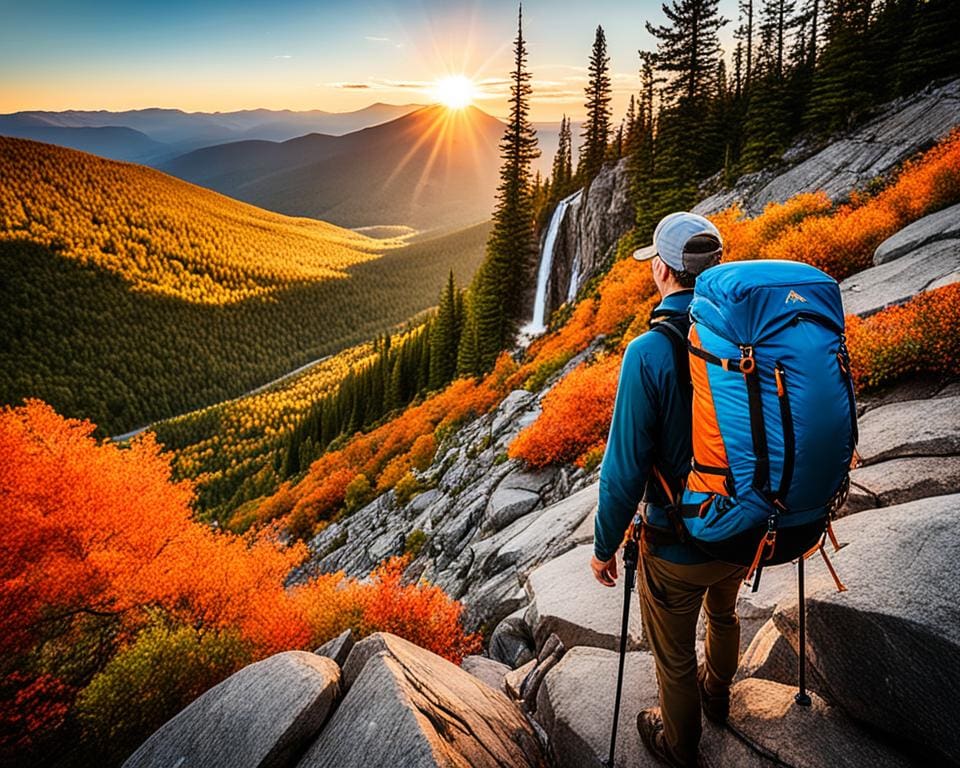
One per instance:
(629,452)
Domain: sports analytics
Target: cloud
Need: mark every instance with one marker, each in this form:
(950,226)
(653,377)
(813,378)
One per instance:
(376,39)
(283,56)
(349,86)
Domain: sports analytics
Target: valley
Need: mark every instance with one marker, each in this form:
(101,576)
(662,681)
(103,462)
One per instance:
(131,296)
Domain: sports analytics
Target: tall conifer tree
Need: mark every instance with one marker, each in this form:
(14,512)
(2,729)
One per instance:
(445,337)
(596,128)
(500,285)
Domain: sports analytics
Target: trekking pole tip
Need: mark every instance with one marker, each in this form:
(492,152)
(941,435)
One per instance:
(802,700)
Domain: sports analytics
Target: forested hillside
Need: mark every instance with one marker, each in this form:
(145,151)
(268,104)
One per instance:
(131,296)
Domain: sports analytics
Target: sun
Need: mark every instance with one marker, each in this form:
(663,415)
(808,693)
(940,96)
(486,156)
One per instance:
(455,92)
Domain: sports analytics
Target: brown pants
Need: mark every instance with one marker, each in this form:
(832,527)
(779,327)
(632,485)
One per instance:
(670,599)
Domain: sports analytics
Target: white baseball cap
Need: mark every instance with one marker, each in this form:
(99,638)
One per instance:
(686,242)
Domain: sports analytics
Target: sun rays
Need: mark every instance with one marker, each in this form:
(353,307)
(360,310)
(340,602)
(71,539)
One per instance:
(455,92)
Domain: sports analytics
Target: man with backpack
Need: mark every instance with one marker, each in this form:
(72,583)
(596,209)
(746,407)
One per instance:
(735,422)
(650,438)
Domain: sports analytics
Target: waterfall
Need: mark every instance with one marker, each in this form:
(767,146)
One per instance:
(537,324)
(574,275)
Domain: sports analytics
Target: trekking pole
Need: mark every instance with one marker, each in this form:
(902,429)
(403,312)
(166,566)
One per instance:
(631,553)
(802,698)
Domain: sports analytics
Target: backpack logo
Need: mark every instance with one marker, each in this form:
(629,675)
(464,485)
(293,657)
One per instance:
(795,298)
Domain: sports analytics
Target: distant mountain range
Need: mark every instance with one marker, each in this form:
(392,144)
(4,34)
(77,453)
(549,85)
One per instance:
(432,168)
(155,135)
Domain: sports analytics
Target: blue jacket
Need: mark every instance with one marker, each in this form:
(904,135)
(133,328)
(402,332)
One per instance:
(651,421)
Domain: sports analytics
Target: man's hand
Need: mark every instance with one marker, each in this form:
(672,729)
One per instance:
(605,572)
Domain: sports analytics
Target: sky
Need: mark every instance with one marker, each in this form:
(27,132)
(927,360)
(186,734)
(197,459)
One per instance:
(209,55)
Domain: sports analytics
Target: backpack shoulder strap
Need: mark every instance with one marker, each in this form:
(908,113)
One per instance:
(675,328)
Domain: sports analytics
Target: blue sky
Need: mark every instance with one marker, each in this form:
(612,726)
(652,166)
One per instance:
(212,55)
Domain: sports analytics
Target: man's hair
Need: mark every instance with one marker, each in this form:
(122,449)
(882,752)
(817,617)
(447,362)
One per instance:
(684,279)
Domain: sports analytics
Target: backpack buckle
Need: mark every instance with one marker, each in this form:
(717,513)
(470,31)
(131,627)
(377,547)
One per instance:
(747,364)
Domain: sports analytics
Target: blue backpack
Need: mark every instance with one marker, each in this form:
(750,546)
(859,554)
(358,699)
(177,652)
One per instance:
(774,414)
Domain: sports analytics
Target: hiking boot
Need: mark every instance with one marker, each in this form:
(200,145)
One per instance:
(650,726)
(716,707)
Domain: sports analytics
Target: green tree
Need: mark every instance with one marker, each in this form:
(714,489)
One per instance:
(445,338)
(562,170)
(842,83)
(499,287)
(596,128)
(688,52)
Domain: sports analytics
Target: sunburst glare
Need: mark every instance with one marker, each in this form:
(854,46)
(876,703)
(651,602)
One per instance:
(455,92)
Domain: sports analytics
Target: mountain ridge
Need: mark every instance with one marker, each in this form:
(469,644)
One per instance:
(431,167)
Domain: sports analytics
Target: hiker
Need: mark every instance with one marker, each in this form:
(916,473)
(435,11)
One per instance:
(650,444)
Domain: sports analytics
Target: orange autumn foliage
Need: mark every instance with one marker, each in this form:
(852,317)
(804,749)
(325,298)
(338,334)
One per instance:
(576,416)
(920,337)
(99,547)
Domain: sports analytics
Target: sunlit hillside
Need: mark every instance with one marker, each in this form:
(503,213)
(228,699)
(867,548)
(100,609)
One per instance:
(161,235)
(131,296)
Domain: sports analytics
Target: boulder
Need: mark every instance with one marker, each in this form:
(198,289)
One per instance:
(888,649)
(926,267)
(547,535)
(535,481)
(901,480)
(912,428)
(409,707)
(262,716)
(566,600)
(819,736)
(584,532)
(942,225)
(512,641)
(339,648)
(508,504)
(549,656)
(489,671)
(771,657)
(513,682)
(575,707)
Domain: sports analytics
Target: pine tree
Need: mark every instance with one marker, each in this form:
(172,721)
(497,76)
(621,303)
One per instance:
(841,88)
(768,122)
(641,165)
(500,285)
(394,397)
(689,48)
(444,338)
(561,172)
(468,354)
(596,128)
(744,37)
(630,126)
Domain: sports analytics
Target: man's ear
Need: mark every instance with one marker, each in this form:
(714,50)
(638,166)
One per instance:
(660,269)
